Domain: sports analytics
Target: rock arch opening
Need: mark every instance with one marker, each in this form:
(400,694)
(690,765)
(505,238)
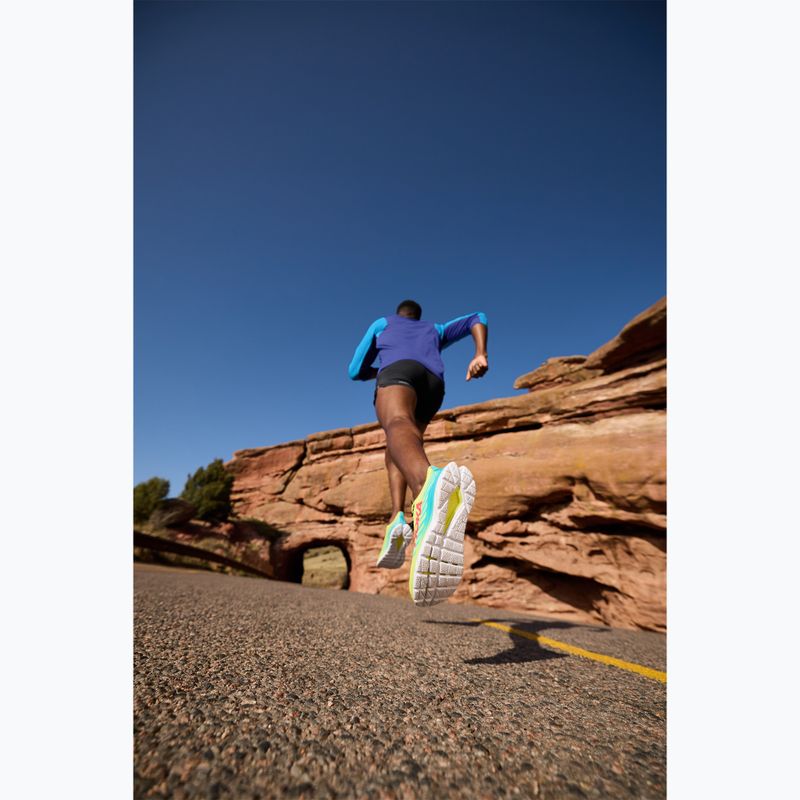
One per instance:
(320,564)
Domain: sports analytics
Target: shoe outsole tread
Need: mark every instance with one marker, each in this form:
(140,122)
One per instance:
(438,561)
(395,555)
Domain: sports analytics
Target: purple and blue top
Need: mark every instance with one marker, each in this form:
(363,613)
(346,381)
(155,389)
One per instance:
(393,338)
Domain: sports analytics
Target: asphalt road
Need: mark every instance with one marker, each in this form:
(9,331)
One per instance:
(248,688)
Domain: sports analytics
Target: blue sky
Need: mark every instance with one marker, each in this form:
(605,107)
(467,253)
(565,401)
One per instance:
(300,168)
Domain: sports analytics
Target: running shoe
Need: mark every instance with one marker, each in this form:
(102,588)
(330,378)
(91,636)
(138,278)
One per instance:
(440,518)
(398,537)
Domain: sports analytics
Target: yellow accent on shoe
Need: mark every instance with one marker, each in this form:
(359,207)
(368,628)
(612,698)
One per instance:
(419,501)
(397,533)
(452,505)
(434,509)
(437,562)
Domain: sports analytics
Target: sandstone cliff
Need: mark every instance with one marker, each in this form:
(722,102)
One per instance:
(570,516)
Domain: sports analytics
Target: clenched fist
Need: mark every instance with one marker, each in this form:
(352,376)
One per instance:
(477,367)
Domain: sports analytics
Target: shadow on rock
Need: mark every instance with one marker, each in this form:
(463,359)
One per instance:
(522,649)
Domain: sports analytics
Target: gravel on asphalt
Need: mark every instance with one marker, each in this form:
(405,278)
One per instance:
(249,688)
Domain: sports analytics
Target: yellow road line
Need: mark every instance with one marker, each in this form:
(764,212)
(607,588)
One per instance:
(578,651)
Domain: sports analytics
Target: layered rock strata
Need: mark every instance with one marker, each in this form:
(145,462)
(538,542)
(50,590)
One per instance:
(570,515)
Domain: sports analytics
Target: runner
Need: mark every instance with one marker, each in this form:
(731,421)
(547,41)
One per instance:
(409,391)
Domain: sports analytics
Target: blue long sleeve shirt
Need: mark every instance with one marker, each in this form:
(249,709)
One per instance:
(394,338)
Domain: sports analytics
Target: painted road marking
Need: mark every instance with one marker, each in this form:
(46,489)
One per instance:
(655,674)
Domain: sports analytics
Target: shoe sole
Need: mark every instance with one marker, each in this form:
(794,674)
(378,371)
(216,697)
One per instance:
(438,560)
(395,556)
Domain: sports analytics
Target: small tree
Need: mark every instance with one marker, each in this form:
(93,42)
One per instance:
(146,496)
(209,491)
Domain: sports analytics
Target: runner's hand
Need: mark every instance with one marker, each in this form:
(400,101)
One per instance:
(477,367)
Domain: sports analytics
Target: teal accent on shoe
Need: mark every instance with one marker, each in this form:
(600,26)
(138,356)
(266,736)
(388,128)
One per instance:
(426,497)
(438,560)
(423,519)
(399,519)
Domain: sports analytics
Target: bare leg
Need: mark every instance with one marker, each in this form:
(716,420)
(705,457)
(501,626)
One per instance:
(397,485)
(395,406)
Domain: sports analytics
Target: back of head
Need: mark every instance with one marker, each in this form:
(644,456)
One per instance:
(410,309)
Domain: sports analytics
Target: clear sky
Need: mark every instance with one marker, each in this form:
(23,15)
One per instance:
(300,168)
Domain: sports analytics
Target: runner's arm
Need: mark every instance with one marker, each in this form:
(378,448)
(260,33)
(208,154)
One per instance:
(480,362)
(457,329)
(360,368)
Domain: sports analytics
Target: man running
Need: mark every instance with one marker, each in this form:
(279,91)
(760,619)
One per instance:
(409,391)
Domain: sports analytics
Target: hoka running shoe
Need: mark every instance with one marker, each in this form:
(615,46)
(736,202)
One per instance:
(440,517)
(455,531)
(398,537)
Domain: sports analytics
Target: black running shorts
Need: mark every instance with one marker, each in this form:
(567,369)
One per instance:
(429,387)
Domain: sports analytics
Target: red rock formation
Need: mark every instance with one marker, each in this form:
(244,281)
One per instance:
(570,516)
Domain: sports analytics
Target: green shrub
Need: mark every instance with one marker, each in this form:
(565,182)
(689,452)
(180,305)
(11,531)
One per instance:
(209,491)
(146,496)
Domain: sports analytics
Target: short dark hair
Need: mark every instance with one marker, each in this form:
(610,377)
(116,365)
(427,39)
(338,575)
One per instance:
(413,308)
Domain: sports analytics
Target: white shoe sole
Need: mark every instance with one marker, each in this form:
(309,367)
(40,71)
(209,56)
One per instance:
(395,556)
(438,562)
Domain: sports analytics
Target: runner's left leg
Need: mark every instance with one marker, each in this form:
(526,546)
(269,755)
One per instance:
(397,485)
(395,408)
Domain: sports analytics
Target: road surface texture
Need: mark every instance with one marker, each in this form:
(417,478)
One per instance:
(250,688)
